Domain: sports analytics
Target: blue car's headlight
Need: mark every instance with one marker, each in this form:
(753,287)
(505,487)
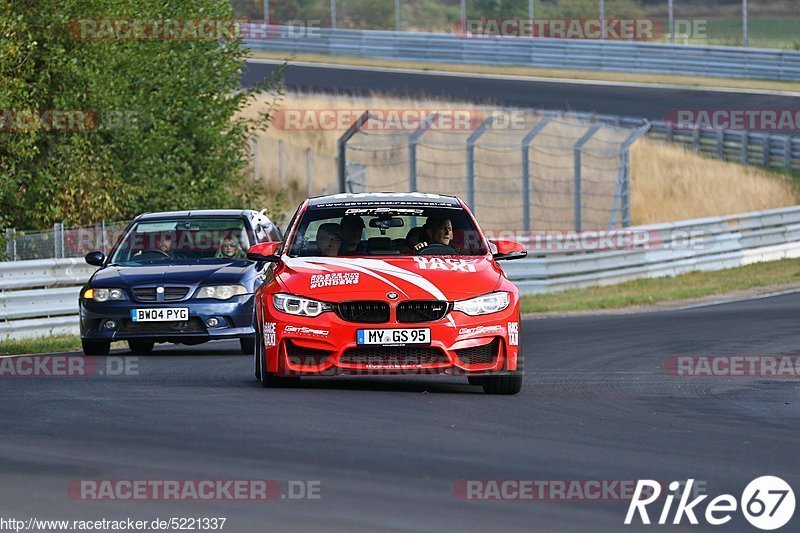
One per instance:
(483,305)
(220,292)
(296,305)
(105,295)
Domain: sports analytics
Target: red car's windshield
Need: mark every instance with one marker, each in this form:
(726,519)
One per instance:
(395,230)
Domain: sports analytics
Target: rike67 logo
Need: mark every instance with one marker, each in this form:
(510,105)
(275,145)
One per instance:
(767,503)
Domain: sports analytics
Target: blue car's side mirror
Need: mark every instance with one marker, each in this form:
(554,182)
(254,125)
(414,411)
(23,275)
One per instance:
(95,258)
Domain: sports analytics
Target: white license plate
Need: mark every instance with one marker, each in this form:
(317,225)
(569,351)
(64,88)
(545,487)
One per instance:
(163,314)
(394,336)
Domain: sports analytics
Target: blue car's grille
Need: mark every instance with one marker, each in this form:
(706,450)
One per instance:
(171,294)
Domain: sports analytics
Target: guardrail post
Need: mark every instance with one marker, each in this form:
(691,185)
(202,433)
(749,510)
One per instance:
(341,145)
(721,144)
(526,171)
(696,139)
(471,161)
(577,149)
(413,140)
(745,159)
(767,145)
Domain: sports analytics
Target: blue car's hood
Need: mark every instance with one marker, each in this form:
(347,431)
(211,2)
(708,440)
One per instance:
(175,273)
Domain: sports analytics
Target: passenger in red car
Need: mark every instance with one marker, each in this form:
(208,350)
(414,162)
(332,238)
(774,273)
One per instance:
(329,239)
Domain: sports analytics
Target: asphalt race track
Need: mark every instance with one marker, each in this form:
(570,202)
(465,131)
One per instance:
(648,102)
(597,404)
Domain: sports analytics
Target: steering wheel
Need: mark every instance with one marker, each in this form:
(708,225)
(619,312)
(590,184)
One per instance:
(152,251)
(436,249)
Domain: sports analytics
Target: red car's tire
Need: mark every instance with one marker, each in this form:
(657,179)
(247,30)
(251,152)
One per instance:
(269,380)
(503,384)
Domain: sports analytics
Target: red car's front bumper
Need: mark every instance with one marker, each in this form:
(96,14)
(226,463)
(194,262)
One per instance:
(326,345)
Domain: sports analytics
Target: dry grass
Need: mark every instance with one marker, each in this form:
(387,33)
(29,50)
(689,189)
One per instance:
(668,182)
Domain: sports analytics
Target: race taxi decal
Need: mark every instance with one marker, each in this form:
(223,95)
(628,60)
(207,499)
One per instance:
(334,279)
(513,333)
(450,265)
(269,334)
(306,331)
(480,330)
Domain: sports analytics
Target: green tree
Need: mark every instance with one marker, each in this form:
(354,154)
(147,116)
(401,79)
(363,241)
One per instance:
(166,136)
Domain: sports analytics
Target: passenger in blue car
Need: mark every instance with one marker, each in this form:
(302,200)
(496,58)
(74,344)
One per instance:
(229,248)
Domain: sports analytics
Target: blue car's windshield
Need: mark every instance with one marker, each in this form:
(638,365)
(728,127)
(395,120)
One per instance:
(169,240)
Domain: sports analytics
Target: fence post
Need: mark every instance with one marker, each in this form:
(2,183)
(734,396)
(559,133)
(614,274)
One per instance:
(471,161)
(281,160)
(526,171)
(103,233)
(622,193)
(254,141)
(341,145)
(309,173)
(745,148)
(577,149)
(58,240)
(11,247)
(413,140)
(787,153)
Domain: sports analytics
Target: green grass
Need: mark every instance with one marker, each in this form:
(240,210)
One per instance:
(650,291)
(61,343)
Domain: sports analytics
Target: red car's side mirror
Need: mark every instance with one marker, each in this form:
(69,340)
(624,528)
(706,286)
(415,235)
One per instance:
(507,250)
(265,251)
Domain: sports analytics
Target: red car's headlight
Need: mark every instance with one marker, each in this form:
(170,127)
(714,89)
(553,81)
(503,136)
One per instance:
(297,305)
(483,305)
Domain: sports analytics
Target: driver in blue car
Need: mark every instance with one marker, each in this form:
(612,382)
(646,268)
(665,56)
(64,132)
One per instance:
(437,230)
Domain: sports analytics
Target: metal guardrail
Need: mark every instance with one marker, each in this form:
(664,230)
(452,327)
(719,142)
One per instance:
(742,146)
(39,298)
(717,243)
(626,56)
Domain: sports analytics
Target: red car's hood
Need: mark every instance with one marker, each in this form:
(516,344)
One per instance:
(419,278)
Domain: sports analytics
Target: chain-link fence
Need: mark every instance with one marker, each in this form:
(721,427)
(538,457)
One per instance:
(517,170)
(286,165)
(60,242)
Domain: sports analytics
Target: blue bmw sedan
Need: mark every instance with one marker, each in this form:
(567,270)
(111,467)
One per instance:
(180,277)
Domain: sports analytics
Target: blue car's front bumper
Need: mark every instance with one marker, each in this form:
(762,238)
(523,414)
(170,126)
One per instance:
(234,321)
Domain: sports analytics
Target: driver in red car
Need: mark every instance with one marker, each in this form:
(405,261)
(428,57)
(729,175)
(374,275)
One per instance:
(437,230)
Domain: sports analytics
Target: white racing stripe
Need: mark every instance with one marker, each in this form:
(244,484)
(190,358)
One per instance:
(372,267)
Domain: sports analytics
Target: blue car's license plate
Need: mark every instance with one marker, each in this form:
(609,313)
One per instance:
(163,314)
